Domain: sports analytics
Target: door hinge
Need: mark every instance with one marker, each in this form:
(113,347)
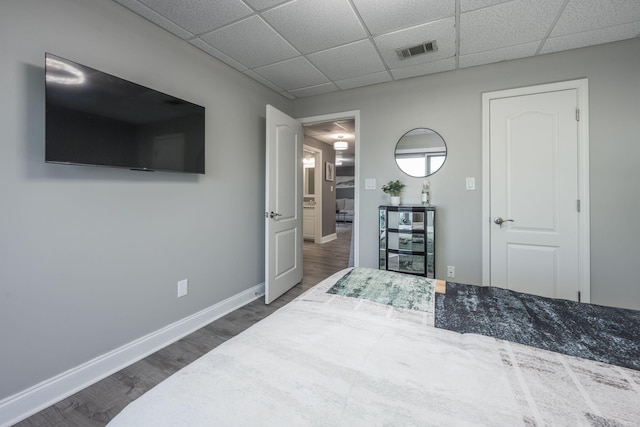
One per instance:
(577,114)
(578,205)
(579,296)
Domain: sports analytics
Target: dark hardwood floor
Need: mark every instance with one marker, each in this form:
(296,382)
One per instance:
(99,403)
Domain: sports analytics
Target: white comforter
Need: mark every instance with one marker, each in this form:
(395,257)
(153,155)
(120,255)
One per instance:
(326,360)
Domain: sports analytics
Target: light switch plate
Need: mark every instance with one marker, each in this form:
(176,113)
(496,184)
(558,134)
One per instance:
(370,184)
(471,183)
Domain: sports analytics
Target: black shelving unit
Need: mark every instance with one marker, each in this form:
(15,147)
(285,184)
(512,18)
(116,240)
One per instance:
(407,239)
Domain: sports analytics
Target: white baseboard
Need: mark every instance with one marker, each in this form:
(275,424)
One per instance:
(328,238)
(32,400)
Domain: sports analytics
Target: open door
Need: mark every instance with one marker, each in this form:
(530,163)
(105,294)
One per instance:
(283,204)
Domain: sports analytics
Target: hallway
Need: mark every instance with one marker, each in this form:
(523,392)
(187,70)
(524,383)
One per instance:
(322,260)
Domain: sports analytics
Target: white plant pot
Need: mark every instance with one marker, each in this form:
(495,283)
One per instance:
(395,200)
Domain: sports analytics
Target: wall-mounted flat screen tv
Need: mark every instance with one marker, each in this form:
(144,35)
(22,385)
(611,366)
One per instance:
(96,119)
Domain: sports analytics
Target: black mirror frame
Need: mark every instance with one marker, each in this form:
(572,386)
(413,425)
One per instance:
(405,134)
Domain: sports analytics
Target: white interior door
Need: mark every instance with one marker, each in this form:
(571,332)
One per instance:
(534,194)
(283,207)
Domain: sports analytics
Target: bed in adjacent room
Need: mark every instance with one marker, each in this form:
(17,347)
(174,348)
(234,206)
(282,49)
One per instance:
(360,348)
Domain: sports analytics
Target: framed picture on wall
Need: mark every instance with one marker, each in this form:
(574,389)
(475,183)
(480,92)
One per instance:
(329,171)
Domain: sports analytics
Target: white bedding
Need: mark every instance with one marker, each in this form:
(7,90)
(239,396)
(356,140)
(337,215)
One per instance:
(336,361)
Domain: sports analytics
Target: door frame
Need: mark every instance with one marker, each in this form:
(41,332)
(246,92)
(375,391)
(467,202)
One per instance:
(584,257)
(355,115)
(317,184)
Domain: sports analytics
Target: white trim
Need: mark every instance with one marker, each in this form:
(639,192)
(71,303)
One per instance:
(328,238)
(317,184)
(32,400)
(584,258)
(355,114)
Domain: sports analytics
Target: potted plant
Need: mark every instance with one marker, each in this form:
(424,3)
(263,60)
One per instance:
(394,188)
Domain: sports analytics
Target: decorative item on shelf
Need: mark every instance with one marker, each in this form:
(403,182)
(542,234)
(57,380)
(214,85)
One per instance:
(394,188)
(426,193)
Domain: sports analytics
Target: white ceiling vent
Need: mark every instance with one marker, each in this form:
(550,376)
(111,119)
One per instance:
(408,52)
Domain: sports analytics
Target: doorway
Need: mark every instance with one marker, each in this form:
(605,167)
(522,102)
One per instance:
(535,198)
(328,129)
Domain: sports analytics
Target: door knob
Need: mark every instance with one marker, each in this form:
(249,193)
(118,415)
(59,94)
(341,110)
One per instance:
(499,220)
(274,215)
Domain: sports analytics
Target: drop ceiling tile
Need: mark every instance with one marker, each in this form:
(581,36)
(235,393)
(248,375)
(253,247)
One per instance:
(506,24)
(199,16)
(257,77)
(360,81)
(443,32)
(591,38)
(468,5)
(347,61)
(311,46)
(314,25)
(263,4)
(217,54)
(586,15)
(497,55)
(382,16)
(251,42)
(314,90)
(156,18)
(423,69)
(292,74)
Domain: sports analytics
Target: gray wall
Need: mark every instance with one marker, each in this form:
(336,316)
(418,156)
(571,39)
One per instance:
(450,103)
(328,187)
(90,257)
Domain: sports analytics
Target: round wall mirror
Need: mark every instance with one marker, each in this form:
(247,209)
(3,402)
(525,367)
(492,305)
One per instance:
(420,152)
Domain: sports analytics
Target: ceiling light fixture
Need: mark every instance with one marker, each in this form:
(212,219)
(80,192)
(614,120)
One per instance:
(340,144)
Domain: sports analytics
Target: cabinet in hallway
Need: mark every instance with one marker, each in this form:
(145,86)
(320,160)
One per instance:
(309,222)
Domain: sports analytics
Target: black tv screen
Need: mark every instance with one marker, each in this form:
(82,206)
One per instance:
(94,118)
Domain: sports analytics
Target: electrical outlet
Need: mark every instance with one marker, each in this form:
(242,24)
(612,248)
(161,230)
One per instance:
(183,288)
(451,271)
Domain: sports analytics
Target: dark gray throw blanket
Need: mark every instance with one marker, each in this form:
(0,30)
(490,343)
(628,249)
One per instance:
(604,334)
